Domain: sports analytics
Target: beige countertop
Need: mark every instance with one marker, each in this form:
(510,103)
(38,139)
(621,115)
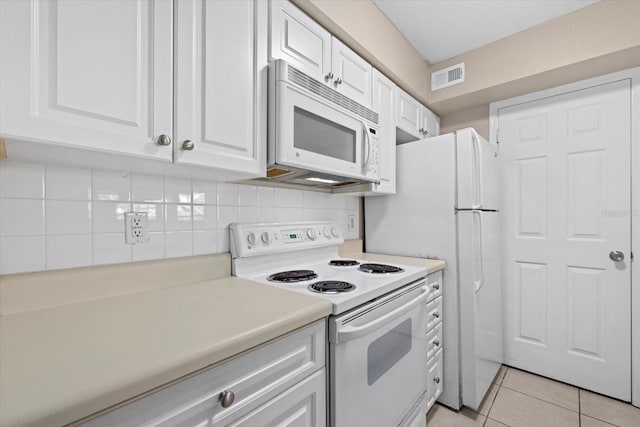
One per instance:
(353,249)
(61,363)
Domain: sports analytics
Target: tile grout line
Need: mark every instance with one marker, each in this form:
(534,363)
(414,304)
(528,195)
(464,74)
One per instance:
(579,409)
(542,400)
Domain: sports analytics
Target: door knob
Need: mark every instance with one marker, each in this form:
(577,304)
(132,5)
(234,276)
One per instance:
(164,140)
(616,256)
(188,145)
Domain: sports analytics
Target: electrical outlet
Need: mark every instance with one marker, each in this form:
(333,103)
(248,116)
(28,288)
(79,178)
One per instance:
(136,228)
(351,222)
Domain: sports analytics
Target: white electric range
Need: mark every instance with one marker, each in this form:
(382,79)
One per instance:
(377,333)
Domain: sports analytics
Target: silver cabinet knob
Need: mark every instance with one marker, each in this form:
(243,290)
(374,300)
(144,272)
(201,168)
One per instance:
(226,398)
(436,380)
(188,145)
(328,77)
(436,314)
(436,343)
(164,140)
(337,82)
(436,286)
(616,256)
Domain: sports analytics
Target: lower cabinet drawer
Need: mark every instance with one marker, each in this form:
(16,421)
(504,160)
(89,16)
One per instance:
(434,379)
(434,312)
(302,405)
(434,282)
(252,379)
(434,341)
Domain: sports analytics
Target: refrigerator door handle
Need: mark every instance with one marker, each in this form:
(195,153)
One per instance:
(477,151)
(478,283)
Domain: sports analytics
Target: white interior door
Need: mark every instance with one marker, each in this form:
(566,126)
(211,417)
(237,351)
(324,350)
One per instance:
(566,204)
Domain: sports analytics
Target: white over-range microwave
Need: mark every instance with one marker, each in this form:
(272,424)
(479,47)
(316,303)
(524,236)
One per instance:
(317,136)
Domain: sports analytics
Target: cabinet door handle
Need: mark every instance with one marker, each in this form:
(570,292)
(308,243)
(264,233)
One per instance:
(436,343)
(337,82)
(436,314)
(436,380)
(164,140)
(436,286)
(188,145)
(328,76)
(226,398)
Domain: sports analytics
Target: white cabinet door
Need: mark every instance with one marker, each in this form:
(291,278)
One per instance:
(352,75)
(384,99)
(303,405)
(430,122)
(220,82)
(299,40)
(94,74)
(408,115)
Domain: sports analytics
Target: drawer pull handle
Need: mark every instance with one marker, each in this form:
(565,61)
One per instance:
(436,286)
(436,315)
(436,380)
(226,398)
(436,343)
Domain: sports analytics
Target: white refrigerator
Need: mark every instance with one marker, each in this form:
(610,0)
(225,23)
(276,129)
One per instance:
(447,206)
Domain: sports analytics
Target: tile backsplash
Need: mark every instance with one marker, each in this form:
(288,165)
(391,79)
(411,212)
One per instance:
(54,217)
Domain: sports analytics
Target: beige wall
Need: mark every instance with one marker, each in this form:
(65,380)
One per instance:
(598,39)
(474,117)
(364,28)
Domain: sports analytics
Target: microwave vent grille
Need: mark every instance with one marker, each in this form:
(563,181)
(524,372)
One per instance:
(327,93)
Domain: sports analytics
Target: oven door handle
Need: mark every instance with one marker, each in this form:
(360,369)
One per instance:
(348,333)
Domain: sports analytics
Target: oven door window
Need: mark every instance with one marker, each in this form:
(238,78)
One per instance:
(389,349)
(319,135)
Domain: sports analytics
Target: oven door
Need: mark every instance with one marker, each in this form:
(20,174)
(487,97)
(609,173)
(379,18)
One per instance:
(378,356)
(316,135)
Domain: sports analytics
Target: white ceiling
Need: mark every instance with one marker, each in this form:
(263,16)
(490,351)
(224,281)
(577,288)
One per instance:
(441,29)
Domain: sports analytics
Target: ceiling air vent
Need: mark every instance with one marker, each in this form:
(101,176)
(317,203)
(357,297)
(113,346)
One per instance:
(447,76)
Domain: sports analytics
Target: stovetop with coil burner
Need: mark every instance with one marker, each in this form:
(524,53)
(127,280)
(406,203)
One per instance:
(285,255)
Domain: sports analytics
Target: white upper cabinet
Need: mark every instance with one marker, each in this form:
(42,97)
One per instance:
(384,101)
(352,75)
(95,74)
(299,40)
(303,43)
(413,120)
(221,76)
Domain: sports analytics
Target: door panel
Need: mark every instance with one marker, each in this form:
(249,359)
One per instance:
(566,203)
(82,83)
(355,74)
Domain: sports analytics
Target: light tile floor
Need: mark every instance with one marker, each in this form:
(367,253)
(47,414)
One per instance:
(521,399)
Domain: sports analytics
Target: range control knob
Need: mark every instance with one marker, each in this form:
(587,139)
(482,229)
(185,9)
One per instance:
(251,238)
(311,234)
(326,233)
(266,237)
(334,232)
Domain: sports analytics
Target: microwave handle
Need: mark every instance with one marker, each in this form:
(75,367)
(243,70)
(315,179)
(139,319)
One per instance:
(367,142)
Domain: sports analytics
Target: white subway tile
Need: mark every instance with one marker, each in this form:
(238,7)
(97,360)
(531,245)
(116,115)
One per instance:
(21,254)
(205,242)
(266,214)
(112,186)
(205,217)
(247,195)
(284,214)
(227,215)
(177,190)
(227,194)
(21,217)
(108,217)
(177,218)
(68,217)
(223,241)
(155,214)
(178,244)
(21,180)
(110,249)
(147,188)
(266,196)
(154,249)
(296,199)
(205,192)
(64,183)
(281,197)
(68,251)
(248,214)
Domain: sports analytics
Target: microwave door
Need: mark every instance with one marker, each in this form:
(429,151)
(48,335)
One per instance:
(315,135)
